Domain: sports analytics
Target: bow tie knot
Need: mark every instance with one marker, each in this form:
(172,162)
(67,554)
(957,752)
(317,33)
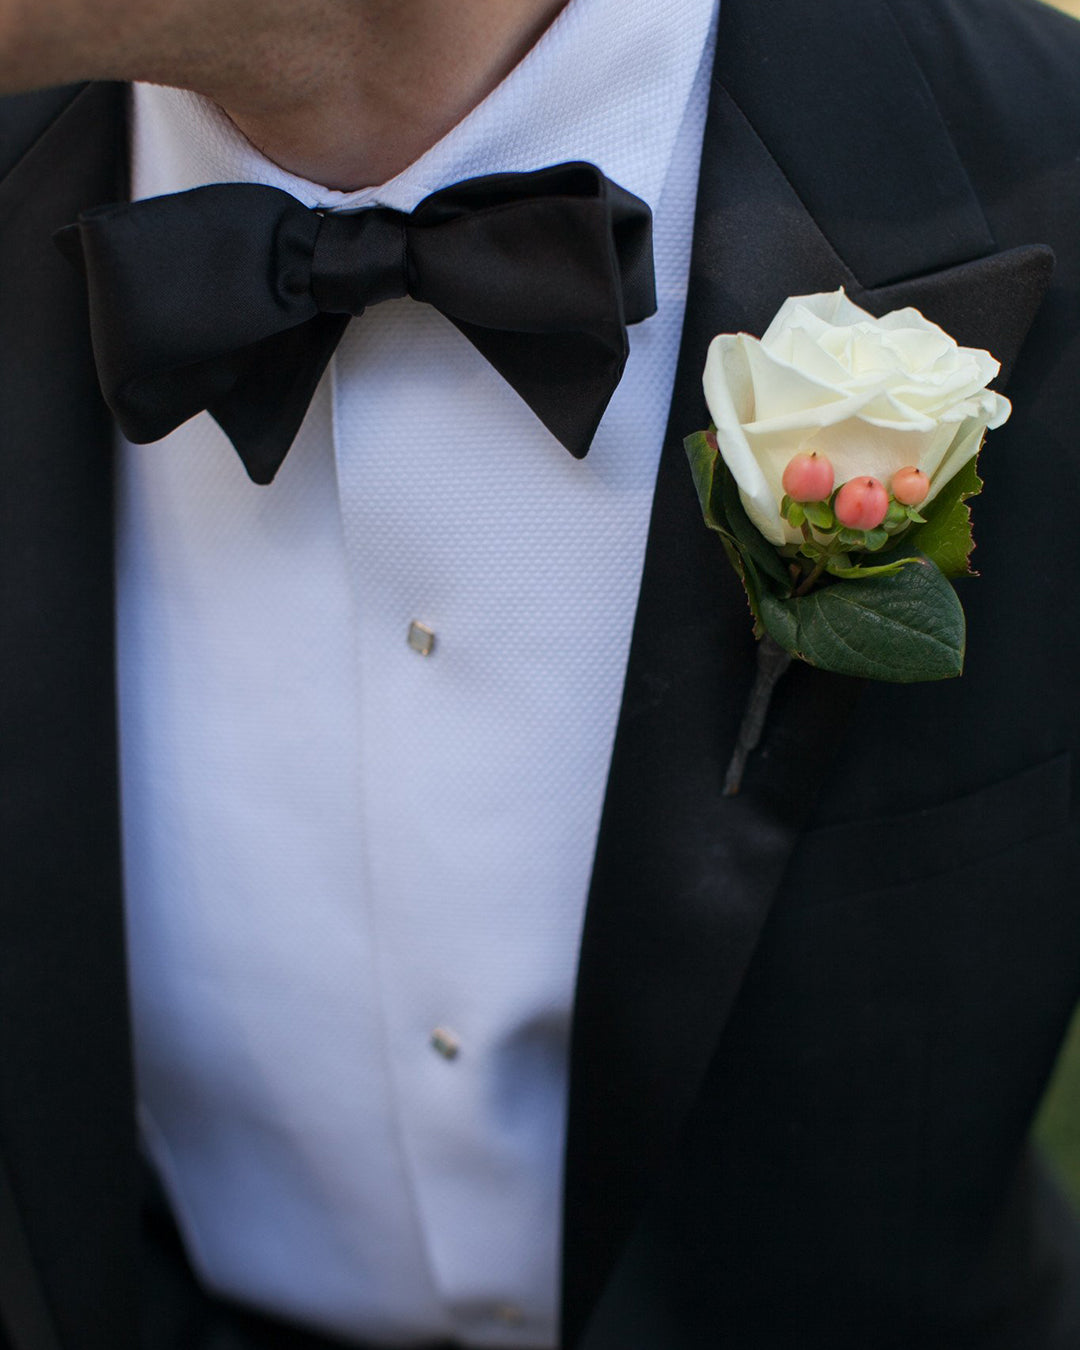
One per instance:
(233,297)
(358,260)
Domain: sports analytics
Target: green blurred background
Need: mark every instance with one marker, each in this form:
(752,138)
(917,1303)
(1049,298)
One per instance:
(1058,1129)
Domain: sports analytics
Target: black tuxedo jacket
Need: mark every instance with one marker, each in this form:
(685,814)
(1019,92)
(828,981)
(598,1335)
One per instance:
(813,1021)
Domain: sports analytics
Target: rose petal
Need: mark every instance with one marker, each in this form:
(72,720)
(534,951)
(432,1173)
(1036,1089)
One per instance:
(781,388)
(964,446)
(829,308)
(854,449)
(729,393)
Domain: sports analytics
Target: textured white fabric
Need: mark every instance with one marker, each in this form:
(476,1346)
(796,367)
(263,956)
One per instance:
(334,845)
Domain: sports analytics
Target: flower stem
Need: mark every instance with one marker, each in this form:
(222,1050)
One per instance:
(772,661)
(810,580)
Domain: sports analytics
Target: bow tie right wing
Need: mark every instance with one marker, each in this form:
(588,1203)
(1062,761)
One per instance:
(567,264)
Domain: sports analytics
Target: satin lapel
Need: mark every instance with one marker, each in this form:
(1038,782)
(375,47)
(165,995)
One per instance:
(833,91)
(66,1120)
(683,878)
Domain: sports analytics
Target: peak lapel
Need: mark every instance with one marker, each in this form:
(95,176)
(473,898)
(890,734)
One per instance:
(683,878)
(833,91)
(65,1095)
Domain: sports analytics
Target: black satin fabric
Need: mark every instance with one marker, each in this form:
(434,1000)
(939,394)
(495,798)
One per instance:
(232,297)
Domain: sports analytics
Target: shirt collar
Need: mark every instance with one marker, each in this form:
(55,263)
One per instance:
(608,82)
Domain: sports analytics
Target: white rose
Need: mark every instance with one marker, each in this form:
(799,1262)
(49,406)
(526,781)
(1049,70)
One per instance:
(873,395)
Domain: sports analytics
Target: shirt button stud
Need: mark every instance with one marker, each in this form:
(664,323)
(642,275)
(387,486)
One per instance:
(445,1042)
(421,639)
(509,1314)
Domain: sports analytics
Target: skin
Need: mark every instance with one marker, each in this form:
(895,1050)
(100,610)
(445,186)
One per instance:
(344,92)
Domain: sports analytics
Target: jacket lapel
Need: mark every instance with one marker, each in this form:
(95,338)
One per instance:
(683,878)
(66,1120)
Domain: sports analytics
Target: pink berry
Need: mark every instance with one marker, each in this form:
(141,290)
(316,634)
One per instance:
(910,485)
(808,478)
(861,504)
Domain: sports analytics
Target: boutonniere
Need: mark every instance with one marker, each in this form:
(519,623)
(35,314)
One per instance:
(836,473)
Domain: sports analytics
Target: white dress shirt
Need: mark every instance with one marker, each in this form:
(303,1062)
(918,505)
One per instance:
(356,873)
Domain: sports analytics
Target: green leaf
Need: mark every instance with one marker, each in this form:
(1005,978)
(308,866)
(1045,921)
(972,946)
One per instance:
(946,537)
(748,551)
(841,567)
(876,539)
(903,627)
(898,621)
(820,515)
(749,538)
(703,456)
(795,514)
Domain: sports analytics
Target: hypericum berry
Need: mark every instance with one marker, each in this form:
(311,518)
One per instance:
(910,485)
(861,504)
(808,478)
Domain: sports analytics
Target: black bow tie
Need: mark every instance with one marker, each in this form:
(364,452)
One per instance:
(232,298)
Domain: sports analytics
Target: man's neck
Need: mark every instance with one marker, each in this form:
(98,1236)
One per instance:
(393,80)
